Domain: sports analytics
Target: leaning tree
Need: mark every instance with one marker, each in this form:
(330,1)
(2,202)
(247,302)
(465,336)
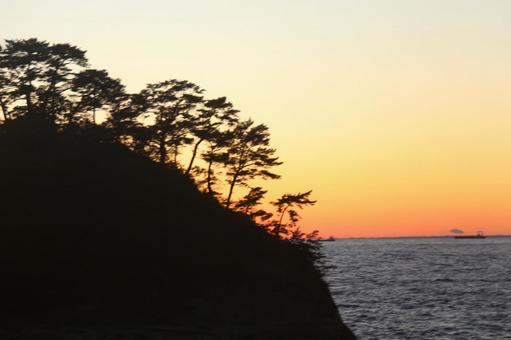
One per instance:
(208,122)
(249,156)
(286,205)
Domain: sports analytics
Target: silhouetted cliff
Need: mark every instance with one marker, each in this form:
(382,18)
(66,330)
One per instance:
(95,236)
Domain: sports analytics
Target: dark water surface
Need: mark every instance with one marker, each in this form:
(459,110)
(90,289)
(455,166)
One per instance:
(423,288)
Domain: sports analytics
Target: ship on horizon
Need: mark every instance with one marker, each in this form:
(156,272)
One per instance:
(330,239)
(478,235)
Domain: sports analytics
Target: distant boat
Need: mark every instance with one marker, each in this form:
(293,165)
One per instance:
(330,239)
(478,235)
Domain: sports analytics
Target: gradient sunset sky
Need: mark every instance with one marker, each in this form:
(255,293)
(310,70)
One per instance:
(397,113)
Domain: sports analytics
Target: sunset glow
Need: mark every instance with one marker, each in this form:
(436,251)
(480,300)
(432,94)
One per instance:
(396,113)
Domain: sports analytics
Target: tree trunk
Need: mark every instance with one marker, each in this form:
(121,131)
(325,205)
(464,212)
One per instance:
(239,168)
(28,91)
(210,175)
(28,98)
(4,110)
(176,151)
(163,150)
(50,92)
(278,227)
(233,183)
(195,148)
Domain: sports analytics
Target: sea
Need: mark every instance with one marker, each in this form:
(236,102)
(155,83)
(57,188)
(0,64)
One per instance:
(422,288)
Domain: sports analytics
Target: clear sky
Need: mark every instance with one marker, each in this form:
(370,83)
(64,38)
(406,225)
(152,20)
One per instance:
(397,113)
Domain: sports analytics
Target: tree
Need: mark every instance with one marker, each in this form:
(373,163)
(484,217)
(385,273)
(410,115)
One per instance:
(216,153)
(125,122)
(95,90)
(21,62)
(287,230)
(249,155)
(287,204)
(169,107)
(248,205)
(38,76)
(59,72)
(4,95)
(206,124)
(51,82)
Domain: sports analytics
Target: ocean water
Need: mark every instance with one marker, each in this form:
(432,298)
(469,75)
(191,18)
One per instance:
(422,288)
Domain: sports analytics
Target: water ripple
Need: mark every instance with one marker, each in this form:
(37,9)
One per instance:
(438,288)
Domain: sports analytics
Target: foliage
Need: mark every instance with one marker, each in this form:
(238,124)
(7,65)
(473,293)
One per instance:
(169,107)
(94,90)
(54,83)
(287,204)
(249,205)
(249,155)
(206,125)
(38,77)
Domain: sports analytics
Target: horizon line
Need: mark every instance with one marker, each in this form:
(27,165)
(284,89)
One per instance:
(408,236)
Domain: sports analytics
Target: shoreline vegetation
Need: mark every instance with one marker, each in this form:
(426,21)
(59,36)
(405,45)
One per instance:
(104,223)
(171,122)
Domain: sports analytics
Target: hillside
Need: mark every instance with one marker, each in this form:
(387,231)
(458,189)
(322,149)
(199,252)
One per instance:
(95,236)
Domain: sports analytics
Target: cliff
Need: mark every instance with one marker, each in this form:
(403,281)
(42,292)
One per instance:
(95,237)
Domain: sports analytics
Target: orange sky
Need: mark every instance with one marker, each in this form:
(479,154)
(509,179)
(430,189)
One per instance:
(396,113)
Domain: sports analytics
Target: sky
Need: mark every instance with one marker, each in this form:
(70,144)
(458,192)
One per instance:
(396,113)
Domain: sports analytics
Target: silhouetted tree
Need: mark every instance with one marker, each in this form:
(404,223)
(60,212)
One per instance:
(289,229)
(51,82)
(309,243)
(59,72)
(4,94)
(125,121)
(248,205)
(287,204)
(249,155)
(39,75)
(21,61)
(95,90)
(205,125)
(216,153)
(169,106)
